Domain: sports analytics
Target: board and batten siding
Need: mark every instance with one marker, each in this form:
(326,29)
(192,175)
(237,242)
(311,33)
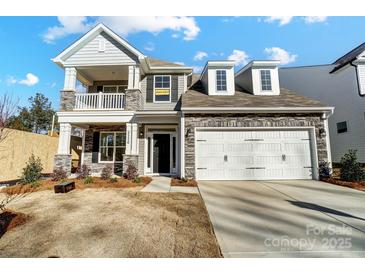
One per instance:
(339,90)
(113,54)
(162,106)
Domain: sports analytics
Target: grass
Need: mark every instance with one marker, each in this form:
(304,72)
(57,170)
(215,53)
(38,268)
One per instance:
(79,184)
(111,222)
(180,182)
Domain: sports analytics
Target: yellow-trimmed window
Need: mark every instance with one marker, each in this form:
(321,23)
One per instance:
(162,88)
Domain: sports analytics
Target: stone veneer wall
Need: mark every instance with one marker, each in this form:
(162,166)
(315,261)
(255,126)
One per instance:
(67,100)
(63,161)
(133,99)
(250,120)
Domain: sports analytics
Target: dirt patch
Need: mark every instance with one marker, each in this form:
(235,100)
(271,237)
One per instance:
(106,222)
(79,184)
(354,185)
(179,182)
(10,219)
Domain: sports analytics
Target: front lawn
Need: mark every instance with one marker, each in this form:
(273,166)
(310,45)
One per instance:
(110,222)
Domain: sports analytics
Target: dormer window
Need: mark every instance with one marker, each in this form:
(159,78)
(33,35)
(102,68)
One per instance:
(265,80)
(162,89)
(221,79)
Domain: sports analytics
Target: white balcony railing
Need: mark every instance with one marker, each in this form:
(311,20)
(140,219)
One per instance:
(99,101)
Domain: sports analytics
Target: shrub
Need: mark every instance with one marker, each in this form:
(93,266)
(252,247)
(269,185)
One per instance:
(59,174)
(131,172)
(113,180)
(350,168)
(137,180)
(324,169)
(83,172)
(88,180)
(106,173)
(32,171)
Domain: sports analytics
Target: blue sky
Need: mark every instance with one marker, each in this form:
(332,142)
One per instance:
(28,43)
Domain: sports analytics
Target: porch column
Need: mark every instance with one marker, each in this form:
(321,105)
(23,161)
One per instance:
(63,157)
(131,139)
(131,77)
(70,79)
(64,139)
(136,77)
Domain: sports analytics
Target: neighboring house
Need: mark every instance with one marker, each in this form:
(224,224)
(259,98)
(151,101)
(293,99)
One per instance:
(342,85)
(163,119)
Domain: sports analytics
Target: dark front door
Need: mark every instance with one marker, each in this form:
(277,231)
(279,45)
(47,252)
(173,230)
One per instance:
(161,153)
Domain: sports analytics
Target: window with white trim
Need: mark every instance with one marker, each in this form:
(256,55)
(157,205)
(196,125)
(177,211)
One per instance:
(162,88)
(341,127)
(265,80)
(221,80)
(112,146)
(114,88)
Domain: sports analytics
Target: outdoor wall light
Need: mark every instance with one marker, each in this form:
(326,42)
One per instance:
(188,130)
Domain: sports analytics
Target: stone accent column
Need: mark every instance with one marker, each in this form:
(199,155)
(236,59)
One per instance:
(63,161)
(128,160)
(67,100)
(133,99)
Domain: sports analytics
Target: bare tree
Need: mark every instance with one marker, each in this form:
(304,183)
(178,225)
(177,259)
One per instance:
(8,107)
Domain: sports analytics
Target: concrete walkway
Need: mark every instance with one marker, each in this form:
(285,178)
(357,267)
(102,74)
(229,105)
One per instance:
(163,184)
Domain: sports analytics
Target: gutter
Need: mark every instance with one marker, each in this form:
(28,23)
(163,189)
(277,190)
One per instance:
(328,110)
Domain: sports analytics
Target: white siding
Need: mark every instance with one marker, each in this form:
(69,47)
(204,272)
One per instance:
(90,55)
(339,90)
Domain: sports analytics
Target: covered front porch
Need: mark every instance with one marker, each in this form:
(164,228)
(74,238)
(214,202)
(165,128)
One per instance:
(151,143)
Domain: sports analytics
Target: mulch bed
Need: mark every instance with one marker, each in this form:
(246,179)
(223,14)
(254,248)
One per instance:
(10,219)
(79,184)
(179,182)
(354,185)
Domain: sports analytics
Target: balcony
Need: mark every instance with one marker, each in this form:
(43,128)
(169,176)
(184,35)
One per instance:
(99,101)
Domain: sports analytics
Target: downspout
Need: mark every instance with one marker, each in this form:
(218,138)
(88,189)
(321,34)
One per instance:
(357,79)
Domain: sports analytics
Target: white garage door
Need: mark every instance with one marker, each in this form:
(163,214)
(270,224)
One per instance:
(253,155)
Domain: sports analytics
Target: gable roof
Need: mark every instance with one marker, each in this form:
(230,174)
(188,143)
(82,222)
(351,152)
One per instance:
(88,36)
(159,63)
(348,57)
(196,98)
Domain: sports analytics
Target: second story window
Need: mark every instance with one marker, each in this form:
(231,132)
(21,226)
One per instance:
(221,80)
(341,127)
(265,80)
(162,88)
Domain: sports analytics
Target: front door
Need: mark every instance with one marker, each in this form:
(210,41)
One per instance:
(161,153)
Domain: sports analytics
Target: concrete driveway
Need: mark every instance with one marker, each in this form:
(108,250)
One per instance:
(296,218)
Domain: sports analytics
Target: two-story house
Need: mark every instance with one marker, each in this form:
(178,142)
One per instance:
(163,119)
(342,85)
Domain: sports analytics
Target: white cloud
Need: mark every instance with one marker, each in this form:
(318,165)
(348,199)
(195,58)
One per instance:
(30,80)
(315,19)
(200,55)
(125,25)
(52,85)
(239,56)
(68,25)
(155,24)
(276,53)
(197,69)
(283,20)
(150,46)
(10,80)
